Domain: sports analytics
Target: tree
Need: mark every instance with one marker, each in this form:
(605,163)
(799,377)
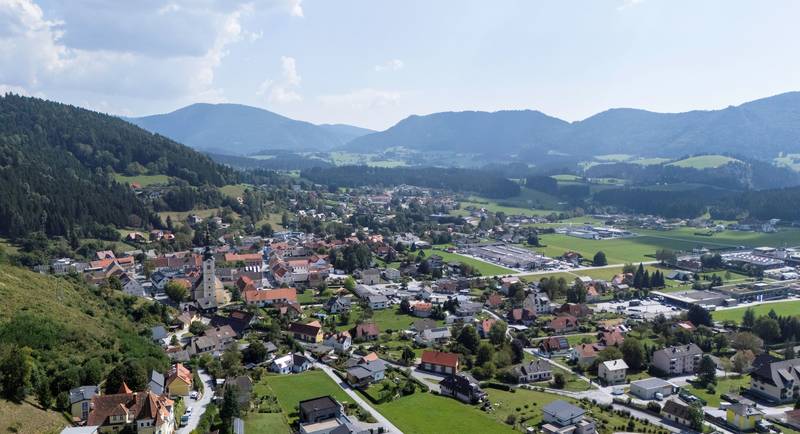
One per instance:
(175,291)
(666,256)
(130,372)
(788,352)
(230,407)
(256,352)
(749,318)
(517,351)
(747,341)
(16,372)
(485,354)
(699,316)
(767,329)
(497,334)
(720,341)
(405,307)
(469,338)
(696,416)
(350,283)
(609,353)
(42,389)
(707,372)
(742,361)
(559,381)
(197,328)
(599,259)
(408,356)
(633,353)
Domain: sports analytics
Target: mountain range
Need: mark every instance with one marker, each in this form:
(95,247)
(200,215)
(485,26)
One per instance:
(761,129)
(235,129)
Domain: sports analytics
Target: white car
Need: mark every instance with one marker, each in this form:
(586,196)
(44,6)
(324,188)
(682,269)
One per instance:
(188,412)
(194,394)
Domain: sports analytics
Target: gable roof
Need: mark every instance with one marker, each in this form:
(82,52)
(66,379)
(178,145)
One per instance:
(440,358)
(305,329)
(365,329)
(677,409)
(257,295)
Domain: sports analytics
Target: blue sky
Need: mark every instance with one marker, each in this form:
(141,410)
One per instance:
(372,63)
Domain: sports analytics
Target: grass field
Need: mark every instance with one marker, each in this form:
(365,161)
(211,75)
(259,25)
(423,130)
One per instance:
(786,308)
(485,268)
(785,237)
(649,161)
(266,423)
(27,418)
(234,190)
(142,180)
(425,413)
(703,162)
(724,385)
(181,216)
(291,389)
(618,251)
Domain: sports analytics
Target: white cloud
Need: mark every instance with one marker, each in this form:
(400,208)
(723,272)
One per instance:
(362,99)
(285,89)
(629,4)
(390,65)
(296,8)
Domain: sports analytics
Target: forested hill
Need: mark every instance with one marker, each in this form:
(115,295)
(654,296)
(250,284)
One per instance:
(57,163)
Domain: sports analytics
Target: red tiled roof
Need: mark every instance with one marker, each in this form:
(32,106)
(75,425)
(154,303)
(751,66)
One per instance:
(289,294)
(440,358)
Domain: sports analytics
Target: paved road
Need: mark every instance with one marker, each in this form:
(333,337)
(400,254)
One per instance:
(199,406)
(388,426)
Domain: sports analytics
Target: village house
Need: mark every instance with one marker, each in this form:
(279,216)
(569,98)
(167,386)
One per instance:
(267,297)
(366,373)
(340,342)
(339,304)
(422,309)
(554,345)
(612,372)
(178,381)
(485,327)
(562,417)
(463,388)
(521,316)
(776,380)
(677,412)
(365,332)
(744,415)
(431,336)
(377,302)
(135,411)
(439,362)
(311,332)
(563,324)
(538,303)
(533,371)
(585,354)
(80,401)
(324,415)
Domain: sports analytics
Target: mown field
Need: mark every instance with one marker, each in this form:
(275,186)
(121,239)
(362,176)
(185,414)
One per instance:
(266,423)
(143,180)
(783,308)
(291,389)
(425,413)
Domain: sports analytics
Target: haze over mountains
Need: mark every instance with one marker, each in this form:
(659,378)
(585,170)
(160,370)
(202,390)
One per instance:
(761,129)
(240,130)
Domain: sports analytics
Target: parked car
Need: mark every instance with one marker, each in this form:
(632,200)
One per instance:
(194,394)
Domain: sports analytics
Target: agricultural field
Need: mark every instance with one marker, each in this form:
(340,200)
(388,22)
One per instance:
(425,413)
(485,268)
(704,162)
(782,308)
(143,180)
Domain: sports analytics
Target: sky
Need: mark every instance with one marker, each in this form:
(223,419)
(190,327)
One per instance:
(372,63)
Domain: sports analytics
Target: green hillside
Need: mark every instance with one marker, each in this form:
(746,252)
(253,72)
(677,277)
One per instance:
(704,162)
(76,334)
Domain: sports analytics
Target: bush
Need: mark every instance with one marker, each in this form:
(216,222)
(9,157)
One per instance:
(654,407)
(511,419)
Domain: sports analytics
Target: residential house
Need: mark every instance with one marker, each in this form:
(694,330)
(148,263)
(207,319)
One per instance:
(612,338)
(554,345)
(363,374)
(563,324)
(159,335)
(576,310)
(533,371)
(238,320)
(463,388)
(778,381)
(141,412)
(431,336)
(677,360)
(468,309)
(80,401)
(282,365)
(311,332)
(494,301)
(300,363)
(324,415)
(367,331)
(585,354)
(613,372)
(371,276)
(340,342)
(743,415)
(377,302)
(267,297)
(677,412)
(439,362)
(243,385)
(157,382)
(178,381)
(521,316)
(538,303)
(562,417)
(339,304)
(422,309)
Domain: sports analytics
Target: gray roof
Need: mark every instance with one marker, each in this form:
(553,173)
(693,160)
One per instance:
(378,299)
(651,383)
(688,350)
(156,382)
(83,393)
(563,410)
(159,332)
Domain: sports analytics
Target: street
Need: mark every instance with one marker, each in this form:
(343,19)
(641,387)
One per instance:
(198,406)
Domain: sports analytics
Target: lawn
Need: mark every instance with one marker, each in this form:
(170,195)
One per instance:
(724,385)
(266,423)
(293,388)
(786,308)
(142,180)
(425,413)
(485,268)
(234,190)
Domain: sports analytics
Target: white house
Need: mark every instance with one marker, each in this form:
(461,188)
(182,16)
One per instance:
(612,371)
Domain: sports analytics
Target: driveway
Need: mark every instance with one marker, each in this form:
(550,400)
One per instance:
(382,421)
(198,406)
